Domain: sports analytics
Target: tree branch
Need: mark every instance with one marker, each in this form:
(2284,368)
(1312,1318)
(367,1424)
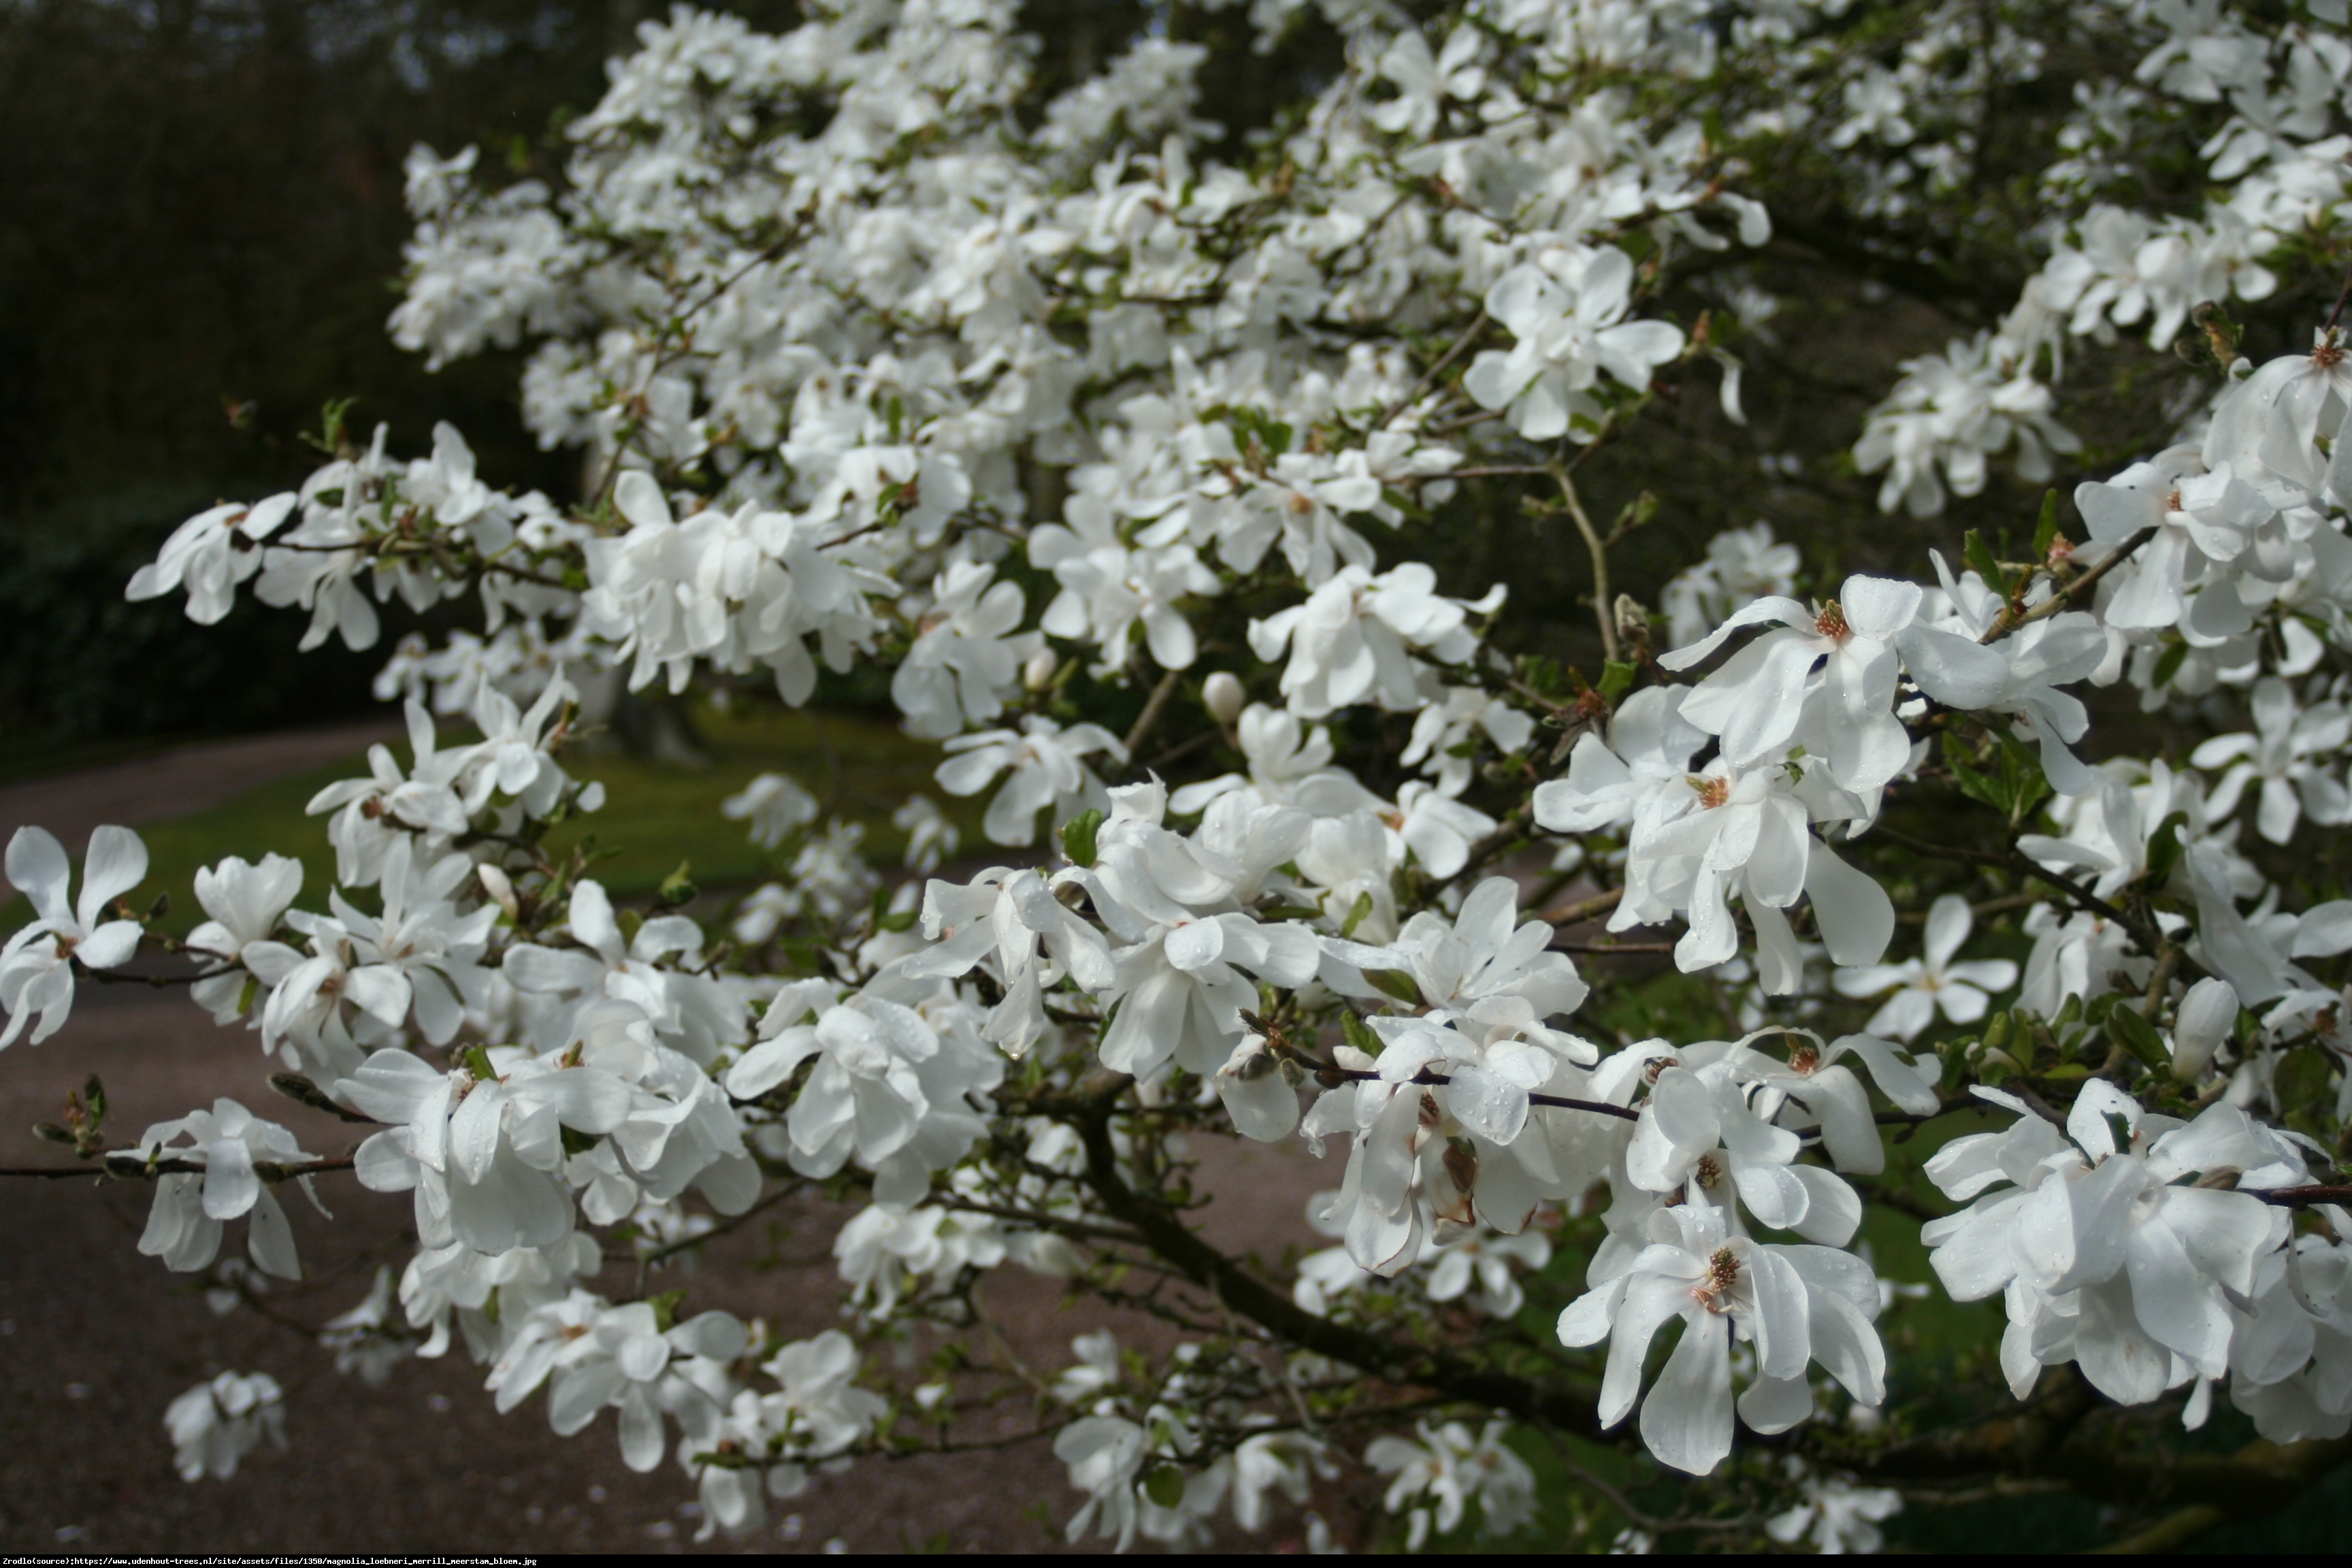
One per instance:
(1414,1365)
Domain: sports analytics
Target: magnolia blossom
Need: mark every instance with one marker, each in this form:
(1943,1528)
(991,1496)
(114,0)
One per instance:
(1755,701)
(775,804)
(1567,310)
(1795,1305)
(966,654)
(2100,1259)
(215,1424)
(246,904)
(1441,1470)
(1351,641)
(1042,759)
(1923,985)
(210,554)
(2289,754)
(183,1225)
(37,964)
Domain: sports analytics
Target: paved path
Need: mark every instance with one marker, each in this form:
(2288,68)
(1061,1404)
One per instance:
(185,779)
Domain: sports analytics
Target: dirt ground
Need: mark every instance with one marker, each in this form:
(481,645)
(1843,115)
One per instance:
(96,1340)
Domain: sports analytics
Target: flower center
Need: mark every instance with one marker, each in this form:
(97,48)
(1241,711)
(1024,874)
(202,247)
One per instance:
(1803,1058)
(1709,1171)
(1712,792)
(1650,1073)
(1830,622)
(1722,1273)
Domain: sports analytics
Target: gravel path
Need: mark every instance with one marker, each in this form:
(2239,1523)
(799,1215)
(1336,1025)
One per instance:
(95,1340)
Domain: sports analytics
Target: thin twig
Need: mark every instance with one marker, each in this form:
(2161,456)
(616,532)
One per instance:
(1602,613)
(2294,1197)
(1428,1079)
(1429,376)
(138,1170)
(1578,913)
(2001,623)
(1152,706)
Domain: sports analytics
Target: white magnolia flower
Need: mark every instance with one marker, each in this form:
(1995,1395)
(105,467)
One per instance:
(1839,1516)
(246,904)
(1043,761)
(1756,701)
(1949,413)
(1106,1454)
(1742,564)
(593,1355)
(210,554)
(183,1225)
(2102,1257)
(931,838)
(215,1424)
(1350,642)
(1109,589)
(1437,828)
(1005,915)
(1923,985)
(37,964)
(1444,734)
(1568,311)
(2293,752)
(967,653)
(481,1154)
(1438,1478)
(1797,1306)
(372,813)
(1424,82)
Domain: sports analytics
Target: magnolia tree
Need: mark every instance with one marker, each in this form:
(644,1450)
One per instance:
(1115,452)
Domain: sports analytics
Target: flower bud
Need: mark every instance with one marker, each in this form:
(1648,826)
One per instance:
(500,888)
(1038,672)
(1222,694)
(2203,1022)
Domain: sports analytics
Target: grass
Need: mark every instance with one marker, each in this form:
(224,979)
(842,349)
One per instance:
(655,816)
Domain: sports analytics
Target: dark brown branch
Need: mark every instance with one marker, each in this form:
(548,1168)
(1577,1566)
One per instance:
(1554,1101)
(2296,1197)
(2002,624)
(1414,1365)
(134,1169)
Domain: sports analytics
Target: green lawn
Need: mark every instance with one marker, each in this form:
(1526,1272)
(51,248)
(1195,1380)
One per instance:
(654,817)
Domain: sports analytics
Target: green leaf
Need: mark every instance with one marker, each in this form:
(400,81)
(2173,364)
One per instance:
(2021,779)
(2139,1036)
(1395,982)
(1981,556)
(2045,531)
(2165,850)
(1165,1486)
(904,919)
(1358,1034)
(2300,1081)
(1616,679)
(1976,787)
(478,1062)
(664,1308)
(1079,838)
(1357,914)
(2168,665)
